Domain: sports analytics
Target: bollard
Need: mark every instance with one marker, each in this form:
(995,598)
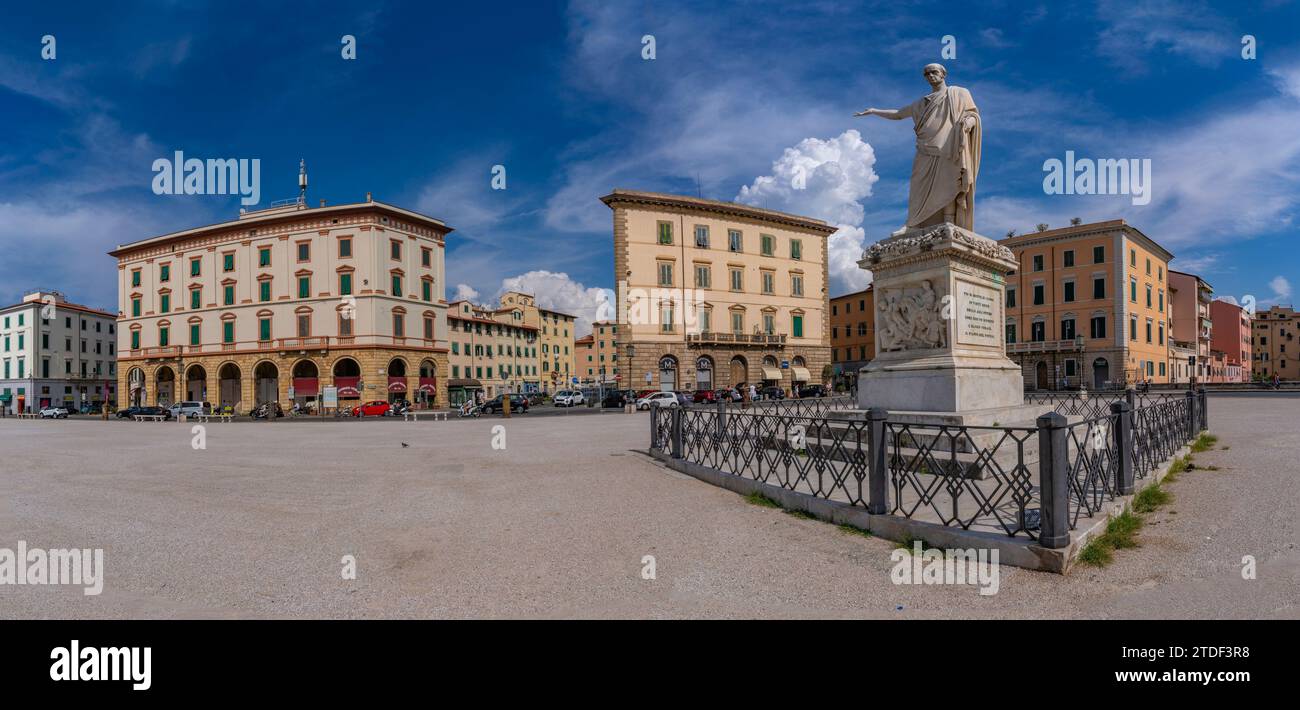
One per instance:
(654,426)
(1192,428)
(1053,481)
(1205,410)
(1123,442)
(877,469)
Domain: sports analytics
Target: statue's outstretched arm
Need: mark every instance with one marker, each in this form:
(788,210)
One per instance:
(892,115)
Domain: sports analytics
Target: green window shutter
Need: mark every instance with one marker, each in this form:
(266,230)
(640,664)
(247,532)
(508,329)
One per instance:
(162,337)
(264,290)
(345,284)
(196,299)
(228,332)
(194,334)
(229,295)
(135,340)
(135,308)
(135,278)
(264,329)
(264,257)
(195,267)
(228,262)
(166,303)
(798,326)
(304,287)
(427,288)
(397,285)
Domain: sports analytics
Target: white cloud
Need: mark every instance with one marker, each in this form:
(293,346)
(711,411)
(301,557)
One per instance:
(1135,28)
(825,179)
(465,292)
(1281,288)
(556,291)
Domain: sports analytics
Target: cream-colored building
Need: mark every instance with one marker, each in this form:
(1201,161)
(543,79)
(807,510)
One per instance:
(598,354)
(1089,306)
(1274,344)
(282,303)
(56,354)
(716,293)
(491,352)
(556,335)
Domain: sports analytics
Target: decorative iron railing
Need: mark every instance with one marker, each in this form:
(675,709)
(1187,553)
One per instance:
(805,407)
(1032,481)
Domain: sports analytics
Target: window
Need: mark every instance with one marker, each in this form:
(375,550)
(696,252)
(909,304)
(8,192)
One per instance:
(1011,298)
(1133,329)
(1011,332)
(1038,294)
(1148,331)
(1038,331)
(264,256)
(734,241)
(426,256)
(665,232)
(228,262)
(1099,287)
(135,308)
(769,282)
(428,328)
(165,273)
(135,279)
(163,338)
(1148,267)
(399,325)
(1067,258)
(228,331)
(196,267)
(263,329)
(345,248)
(264,290)
(1067,329)
(426,290)
(1148,295)
(194,333)
(1099,255)
(769,323)
(304,287)
(304,325)
(796,285)
(304,251)
(165,303)
(345,326)
(665,274)
(228,294)
(196,299)
(797,322)
(1162,302)
(737,322)
(702,276)
(767,244)
(135,340)
(345,284)
(1161,330)
(796,249)
(1133,290)
(1038,262)
(702,236)
(395,250)
(1069,291)
(737,279)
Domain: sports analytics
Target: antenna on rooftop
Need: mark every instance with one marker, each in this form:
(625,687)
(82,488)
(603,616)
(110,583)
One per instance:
(302,181)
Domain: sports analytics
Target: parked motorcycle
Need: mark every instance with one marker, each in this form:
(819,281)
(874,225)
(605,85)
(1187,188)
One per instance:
(267,410)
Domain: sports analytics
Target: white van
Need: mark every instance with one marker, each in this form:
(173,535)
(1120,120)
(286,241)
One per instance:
(190,409)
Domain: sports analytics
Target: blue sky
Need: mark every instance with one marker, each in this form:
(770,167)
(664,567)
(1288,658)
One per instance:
(737,97)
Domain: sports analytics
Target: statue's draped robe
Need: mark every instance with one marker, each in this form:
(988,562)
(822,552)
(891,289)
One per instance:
(947,157)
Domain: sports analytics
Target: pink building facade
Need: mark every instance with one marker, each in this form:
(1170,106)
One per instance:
(1231,338)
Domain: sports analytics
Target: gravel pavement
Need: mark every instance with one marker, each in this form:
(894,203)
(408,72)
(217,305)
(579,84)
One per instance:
(557,525)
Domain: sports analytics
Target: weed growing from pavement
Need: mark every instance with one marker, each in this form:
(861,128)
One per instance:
(1204,442)
(761,500)
(1150,498)
(800,514)
(1121,533)
(850,530)
(908,542)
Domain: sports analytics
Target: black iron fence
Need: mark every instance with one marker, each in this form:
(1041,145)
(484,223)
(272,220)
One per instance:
(1033,481)
(800,407)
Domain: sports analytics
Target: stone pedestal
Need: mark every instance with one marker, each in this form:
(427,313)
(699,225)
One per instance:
(940,340)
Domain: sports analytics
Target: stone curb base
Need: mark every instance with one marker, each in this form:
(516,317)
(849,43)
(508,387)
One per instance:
(1014,551)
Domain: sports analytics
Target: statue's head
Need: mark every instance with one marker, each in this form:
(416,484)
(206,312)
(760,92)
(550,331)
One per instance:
(935,74)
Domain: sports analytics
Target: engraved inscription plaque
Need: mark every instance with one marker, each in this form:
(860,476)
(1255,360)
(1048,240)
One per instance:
(977,311)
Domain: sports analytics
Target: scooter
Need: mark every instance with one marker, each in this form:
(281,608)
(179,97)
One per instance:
(473,410)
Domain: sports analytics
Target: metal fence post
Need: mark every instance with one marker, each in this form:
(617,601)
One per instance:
(1053,481)
(677,431)
(1205,409)
(654,425)
(722,419)
(877,469)
(1192,428)
(1123,448)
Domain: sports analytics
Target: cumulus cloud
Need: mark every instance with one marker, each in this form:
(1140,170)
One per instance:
(558,292)
(825,179)
(465,292)
(1281,288)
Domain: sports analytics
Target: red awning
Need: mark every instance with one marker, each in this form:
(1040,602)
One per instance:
(306,386)
(396,384)
(429,384)
(348,387)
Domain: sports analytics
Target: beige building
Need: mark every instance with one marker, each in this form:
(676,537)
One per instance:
(1274,344)
(598,355)
(715,293)
(283,303)
(555,356)
(1088,305)
(491,352)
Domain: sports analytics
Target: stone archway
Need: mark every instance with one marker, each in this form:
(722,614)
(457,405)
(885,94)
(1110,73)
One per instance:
(1100,373)
(165,387)
(266,382)
(306,381)
(704,372)
(667,373)
(1042,378)
(347,378)
(428,387)
(396,385)
(739,371)
(196,384)
(135,387)
(229,385)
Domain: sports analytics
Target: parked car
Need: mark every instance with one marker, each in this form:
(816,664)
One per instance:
(189,409)
(54,413)
(705,396)
(646,393)
(535,398)
(663,399)
(569,398)
(518,403)
(130,412)
(617,398)
(813,391)
(684,397)
(771,392)
(726,394)
(376,408)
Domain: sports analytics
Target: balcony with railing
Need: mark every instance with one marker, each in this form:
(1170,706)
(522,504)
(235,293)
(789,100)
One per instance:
(755,339)
(1073,345)
(320,342)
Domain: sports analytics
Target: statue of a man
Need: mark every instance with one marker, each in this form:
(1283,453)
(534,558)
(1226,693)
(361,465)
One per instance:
(947,161)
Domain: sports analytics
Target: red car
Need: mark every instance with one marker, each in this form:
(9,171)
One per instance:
(645,393)
(372,409)
(705,396)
